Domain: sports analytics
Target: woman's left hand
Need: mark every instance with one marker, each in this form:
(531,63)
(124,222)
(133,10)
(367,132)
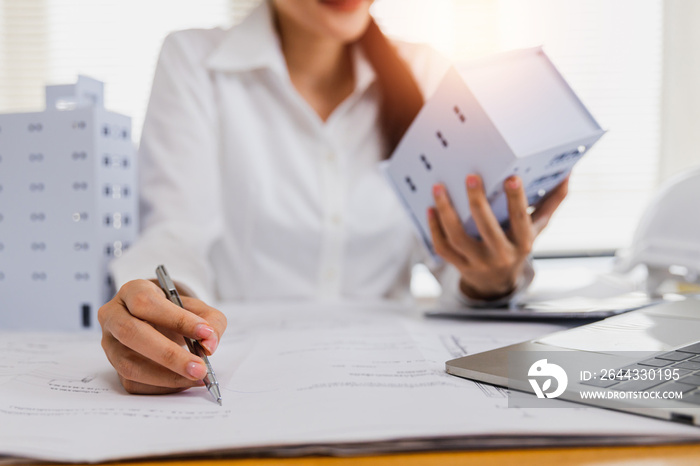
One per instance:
(490,267)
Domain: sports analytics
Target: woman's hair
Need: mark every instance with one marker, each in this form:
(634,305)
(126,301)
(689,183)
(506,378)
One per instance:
(401,97)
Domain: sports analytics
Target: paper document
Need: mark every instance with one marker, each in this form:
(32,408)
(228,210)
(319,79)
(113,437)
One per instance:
(329,379)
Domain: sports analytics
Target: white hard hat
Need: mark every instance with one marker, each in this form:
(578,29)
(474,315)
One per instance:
(668,235)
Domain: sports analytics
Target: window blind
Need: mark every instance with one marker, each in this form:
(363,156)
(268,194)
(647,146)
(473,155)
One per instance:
(52,41)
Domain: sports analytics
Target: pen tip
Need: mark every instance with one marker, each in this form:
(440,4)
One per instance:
(219,401)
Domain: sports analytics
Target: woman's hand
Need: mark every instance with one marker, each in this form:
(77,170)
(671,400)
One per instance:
(142,336)
(490,268)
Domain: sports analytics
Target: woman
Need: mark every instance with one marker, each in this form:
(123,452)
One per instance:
(259,181)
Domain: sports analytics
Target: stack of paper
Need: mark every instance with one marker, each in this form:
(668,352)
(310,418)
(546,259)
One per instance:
(300,379)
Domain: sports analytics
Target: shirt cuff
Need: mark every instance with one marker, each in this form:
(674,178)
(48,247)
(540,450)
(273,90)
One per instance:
(162,246)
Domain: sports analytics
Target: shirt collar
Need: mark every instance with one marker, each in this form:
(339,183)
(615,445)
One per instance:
(364,72)
(254,44)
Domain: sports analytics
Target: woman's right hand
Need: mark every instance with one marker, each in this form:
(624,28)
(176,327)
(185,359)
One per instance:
(142,336)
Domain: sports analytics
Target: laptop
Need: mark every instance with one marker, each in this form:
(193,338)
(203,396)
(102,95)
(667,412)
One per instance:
(645,362)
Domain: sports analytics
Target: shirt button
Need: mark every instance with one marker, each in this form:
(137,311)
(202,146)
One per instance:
(337,219)
(330,156)
(330,274)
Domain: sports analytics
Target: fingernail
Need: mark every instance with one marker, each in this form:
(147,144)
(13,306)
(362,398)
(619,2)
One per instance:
(472,181)
(438,190)
(513,182)
(196,370)
(211,343)
(203,331)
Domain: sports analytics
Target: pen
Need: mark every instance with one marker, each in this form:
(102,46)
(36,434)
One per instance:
(194,346)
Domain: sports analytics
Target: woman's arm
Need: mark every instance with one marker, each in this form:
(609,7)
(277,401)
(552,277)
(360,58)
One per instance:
(179,170)
(181,219)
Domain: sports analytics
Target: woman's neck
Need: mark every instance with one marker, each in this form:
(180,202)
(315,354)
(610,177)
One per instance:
(319,68)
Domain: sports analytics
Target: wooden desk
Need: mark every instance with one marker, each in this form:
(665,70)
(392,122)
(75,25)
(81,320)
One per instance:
(673,455)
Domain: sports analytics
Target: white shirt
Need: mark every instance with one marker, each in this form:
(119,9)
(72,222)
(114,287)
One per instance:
(247,194)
